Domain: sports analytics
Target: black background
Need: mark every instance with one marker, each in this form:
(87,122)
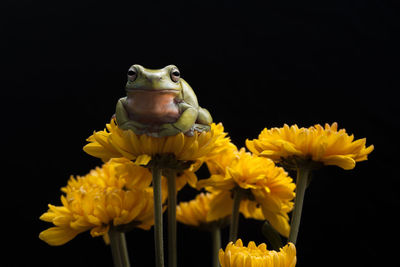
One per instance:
(251,65)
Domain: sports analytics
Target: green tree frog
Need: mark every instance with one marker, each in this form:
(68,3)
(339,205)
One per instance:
(160,103)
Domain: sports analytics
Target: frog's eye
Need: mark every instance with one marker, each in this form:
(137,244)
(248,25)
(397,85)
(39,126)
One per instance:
(132,74)
(175,75)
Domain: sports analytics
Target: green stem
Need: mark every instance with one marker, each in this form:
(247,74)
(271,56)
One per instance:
(233,231)
(158,224)
(118,248)
(116,253)
(303,174)
(172,201)
(216,239)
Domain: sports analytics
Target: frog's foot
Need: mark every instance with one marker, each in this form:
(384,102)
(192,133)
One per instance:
(167,129)
(201,127)
(190,132)
(133,126)
(198,128)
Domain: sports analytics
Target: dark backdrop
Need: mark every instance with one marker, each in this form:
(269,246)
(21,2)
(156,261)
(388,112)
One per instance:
(251,65)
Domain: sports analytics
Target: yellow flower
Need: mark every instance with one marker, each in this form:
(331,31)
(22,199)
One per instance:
(326,145)
(222,143)
(218,162)
(115,142)
(252,210)
(116,195)
(195,212)
(236,255)
(260,181)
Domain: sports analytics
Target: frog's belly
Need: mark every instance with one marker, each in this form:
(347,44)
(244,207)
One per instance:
(152,107)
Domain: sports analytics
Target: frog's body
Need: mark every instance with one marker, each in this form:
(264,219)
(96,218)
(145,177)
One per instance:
(160,103)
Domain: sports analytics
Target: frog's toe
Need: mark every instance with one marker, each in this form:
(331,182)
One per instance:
(132,127)
(190,132)
(168,130)
(201,127)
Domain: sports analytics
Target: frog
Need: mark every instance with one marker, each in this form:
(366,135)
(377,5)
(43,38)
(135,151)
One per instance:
(159,103)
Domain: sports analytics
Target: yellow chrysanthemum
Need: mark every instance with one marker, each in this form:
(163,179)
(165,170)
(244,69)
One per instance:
(195,212)
(218,162)
(115,142)
(260,180)
(115,195)
(217,166)
(252,210)
(328,145)
(236,255)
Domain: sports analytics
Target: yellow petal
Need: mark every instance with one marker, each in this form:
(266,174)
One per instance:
(221,257)
(81,224)
(57,236)
(121,150)
(190,177)
(217,181)
(220,206)
(99,230)
(344,162)
(48,216)
(143,160)
(62,220)
(279,222)
(102,214)
(93,220)
(106,238)
(98,151)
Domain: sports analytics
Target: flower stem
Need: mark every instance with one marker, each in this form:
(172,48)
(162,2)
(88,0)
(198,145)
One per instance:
(216,239)
(172,251)
(118,248)
(158,224)
(233,231)
(303,174)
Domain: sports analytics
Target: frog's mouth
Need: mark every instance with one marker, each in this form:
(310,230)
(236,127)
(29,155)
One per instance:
(160,91)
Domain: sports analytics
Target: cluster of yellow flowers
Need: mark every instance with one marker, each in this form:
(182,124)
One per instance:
(101,199)
(120,193)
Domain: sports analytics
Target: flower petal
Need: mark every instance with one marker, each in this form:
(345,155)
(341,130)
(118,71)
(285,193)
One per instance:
(344,162)
(57,236)
(143,160)
(220,206)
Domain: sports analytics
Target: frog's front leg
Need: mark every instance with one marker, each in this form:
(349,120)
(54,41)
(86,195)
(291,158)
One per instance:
(184,124)
(167,129)
(187,119)
(123,120)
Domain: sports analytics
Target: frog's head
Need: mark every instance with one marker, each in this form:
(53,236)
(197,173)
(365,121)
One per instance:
(165,80)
